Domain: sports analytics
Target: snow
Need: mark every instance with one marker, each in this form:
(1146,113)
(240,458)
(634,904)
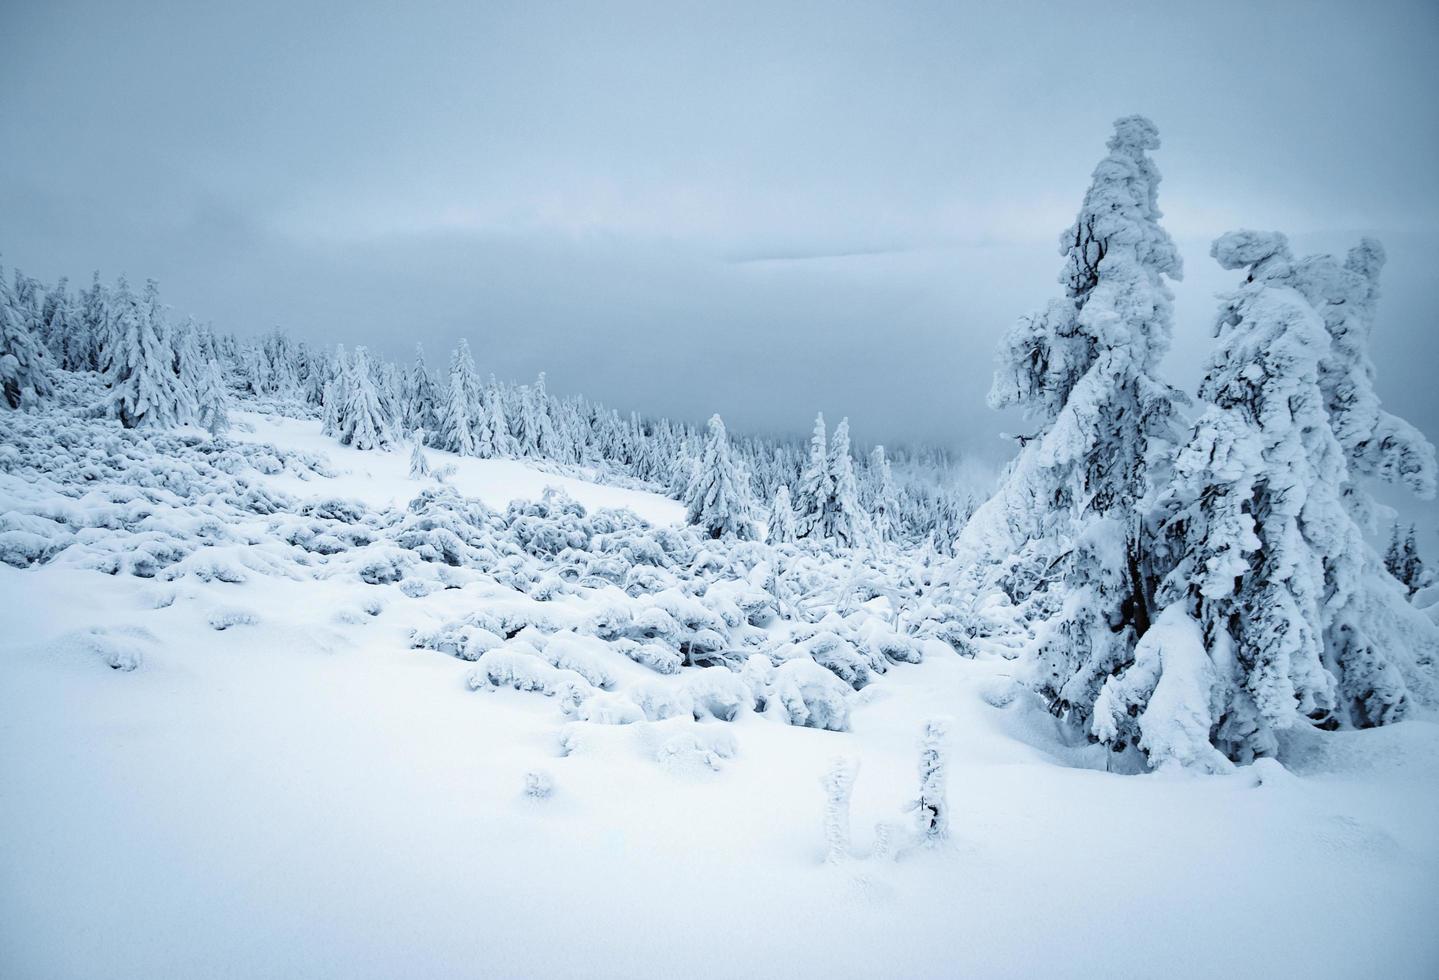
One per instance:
(307,792)
(382,479)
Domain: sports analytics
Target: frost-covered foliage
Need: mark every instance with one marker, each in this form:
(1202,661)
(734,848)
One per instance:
(1276,608)
(1403,561)
(456,425)
(780,527)
(618,620)
(24,368)
(717,500)
(932,805)
(1065,524)
(838,785)
(361,419)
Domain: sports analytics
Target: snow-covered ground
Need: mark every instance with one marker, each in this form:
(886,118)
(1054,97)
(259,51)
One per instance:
(382,479)
(306,795)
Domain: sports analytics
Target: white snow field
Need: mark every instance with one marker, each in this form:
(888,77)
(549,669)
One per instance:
(288,753)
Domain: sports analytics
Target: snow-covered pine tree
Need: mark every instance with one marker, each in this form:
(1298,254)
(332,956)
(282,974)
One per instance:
(189,369)
(85,352)
(54,312)
(883,497)
(24,368)
(1376,444)
(1414,575)
(492,434)
(330,400)
(362,422)
(456,432)
(1275,610)
(717,499)
(421,402)
(816,485)
(1394,554)
(844,519)
(547,437)
(781,518)
(213,399)
(419,465)
(1085,372)
(140,364)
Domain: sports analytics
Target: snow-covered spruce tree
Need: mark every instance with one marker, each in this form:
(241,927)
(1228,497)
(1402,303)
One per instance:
(361,421)
(420,405)
(212,399)
(456,432)
(816,485)
(884,502)
(1403,561)
(1376,444)
(1085,372)
(24,368)
(419,465)
(84,351)
(932,807)
(140,363)
(844,519)
(717,500)
(492,434)
(838,785)
(781,518)
(1275,610)
(330,419)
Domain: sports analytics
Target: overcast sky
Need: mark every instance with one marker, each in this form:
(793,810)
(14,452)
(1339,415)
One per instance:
(761,210)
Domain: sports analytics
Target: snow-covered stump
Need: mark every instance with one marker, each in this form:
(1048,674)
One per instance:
(932,808)
(838,787)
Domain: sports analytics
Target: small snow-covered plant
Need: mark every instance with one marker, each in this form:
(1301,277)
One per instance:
(931,808)
(838,785)
(539,784)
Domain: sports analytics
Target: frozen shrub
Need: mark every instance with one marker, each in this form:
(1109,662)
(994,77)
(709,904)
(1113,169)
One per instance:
(608,709)
(223,619)
(838,785)
(539,784)
(716,692)
(932,808)
(518,666)
(809,696)
(584,655)
(692,750)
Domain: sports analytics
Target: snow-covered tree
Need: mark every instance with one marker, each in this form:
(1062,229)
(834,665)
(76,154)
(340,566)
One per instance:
(1085,372)
(212,400)
(330,418)
(456,431)
(781,518)
(140,363)
(844,519)
(1269,570)
(361,420)
(717,499)
(24,367)
(492,434)
(420,404)
(1376,444)
(884,503)
(419,465)
(816,485)
(1402,559)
